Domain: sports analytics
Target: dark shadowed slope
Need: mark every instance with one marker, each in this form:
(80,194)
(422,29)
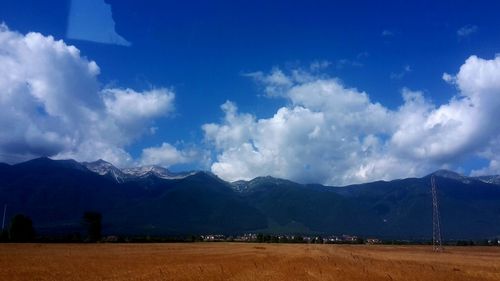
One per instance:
(56,193)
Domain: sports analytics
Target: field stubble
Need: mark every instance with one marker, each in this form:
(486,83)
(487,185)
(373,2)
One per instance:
(232,261)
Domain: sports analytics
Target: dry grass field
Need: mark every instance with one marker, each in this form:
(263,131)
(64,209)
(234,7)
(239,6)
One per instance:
(231,261)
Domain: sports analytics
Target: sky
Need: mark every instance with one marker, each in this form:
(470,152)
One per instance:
(330,92)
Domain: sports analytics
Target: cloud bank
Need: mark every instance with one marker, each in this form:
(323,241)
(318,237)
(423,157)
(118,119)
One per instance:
(333,134)
(52,104)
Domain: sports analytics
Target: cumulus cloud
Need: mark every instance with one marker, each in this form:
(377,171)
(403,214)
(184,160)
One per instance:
(466,125)
(134,110)
(52,104)
(167,155)
(311,140)
(333,134)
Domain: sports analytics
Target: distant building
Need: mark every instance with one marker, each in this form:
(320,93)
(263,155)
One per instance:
(348,238)
(213,237)
(247,237)
(373,241)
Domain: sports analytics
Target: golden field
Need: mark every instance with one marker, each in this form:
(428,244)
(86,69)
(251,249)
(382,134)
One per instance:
(233,261)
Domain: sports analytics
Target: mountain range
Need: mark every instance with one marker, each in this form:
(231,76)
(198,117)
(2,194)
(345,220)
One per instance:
(152,200)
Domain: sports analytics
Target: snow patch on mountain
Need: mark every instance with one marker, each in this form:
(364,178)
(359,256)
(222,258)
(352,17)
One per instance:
(160,172)
(104,168)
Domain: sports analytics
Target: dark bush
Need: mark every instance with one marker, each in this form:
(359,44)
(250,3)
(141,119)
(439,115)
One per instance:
(21,229)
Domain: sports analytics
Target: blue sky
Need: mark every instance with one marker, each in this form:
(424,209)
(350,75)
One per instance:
(208,53)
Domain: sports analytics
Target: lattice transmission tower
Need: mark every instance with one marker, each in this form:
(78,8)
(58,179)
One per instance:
(436,223)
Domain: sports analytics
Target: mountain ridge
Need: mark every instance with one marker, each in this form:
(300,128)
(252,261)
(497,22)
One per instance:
(55,193)
(103,168)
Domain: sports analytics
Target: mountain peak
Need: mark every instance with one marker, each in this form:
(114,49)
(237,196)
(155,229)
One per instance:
(97,164)
(147,170)
(42,159)
(242,185)
(448,174)
(269,179)
(154,170)
(102,168)
(101,161)
(493,179)
(206,204)
(46,162)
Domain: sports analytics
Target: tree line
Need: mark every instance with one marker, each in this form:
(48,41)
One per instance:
(21,229)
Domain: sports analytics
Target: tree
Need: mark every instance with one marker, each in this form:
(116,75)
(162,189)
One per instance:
(4,236)
(92,221)
(298,239)
(260,238)
(267,238)
(21,229)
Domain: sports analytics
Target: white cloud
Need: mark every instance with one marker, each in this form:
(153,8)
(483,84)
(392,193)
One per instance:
(275,82)
(333,134)
(311,140)
(52,104)
(467,30)
(492,153)
(466,125)
(167,155)
(134,110)
(448,78)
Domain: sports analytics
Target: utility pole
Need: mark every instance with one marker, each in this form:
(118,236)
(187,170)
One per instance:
(436,224)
